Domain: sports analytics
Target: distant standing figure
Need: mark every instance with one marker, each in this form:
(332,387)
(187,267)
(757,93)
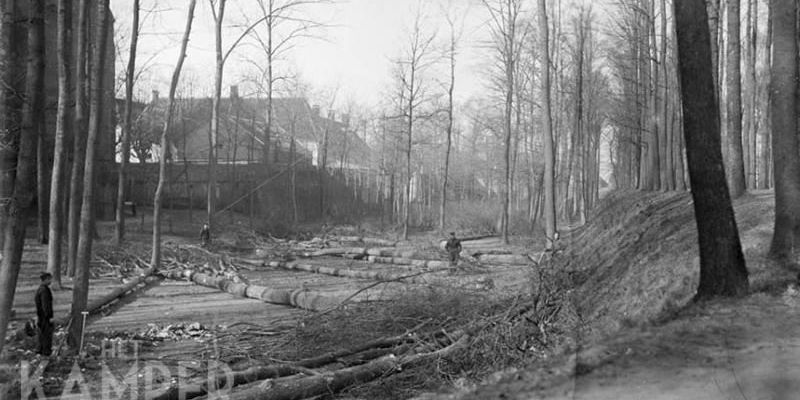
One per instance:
(44,314)
(453,248)
(205,235)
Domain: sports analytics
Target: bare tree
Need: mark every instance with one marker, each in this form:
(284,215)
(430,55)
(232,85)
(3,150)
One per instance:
(8,153)
(63,48)
(155,260)
(452,51)
(80,292)
(119,231)
(24,183)
(507,34)
(417,57)
(783,102)
(734,103)
(722,266)
(79,137)
(549,152)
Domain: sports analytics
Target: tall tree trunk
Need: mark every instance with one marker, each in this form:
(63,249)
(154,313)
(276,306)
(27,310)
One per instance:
(449,142)
(734,103)
(549,156)
(764,133)
(213,133)
(119,232)
(784,89)
(8,134)
(80,292)
(79,138)
(25,180)
(722,266)
(713,12)
(155,259)
(752,18)
(42,181)
(63,48)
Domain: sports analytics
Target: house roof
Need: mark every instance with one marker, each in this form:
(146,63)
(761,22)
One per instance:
(242,123)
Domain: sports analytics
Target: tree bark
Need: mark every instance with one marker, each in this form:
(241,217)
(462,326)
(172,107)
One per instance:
(62,125)
(449,141)
(155,260)
(80,292)
(722,266)
(549,155)
(79,138)
(213,133)
(8,134)
(24,184)
(784,89)
(119,232)
(734,103)
(764,133)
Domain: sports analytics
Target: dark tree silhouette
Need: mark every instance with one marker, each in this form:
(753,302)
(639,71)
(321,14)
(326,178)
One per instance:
(722,267)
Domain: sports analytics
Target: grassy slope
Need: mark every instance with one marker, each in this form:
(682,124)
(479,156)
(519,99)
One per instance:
(636,264)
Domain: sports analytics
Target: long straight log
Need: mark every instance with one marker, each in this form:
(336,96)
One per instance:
(365,240)
(366,352)
(296,388)
(349,273)
(408,262)
(299,298)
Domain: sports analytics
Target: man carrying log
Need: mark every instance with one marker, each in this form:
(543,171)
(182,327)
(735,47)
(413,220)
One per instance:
(453,248)
(44,314)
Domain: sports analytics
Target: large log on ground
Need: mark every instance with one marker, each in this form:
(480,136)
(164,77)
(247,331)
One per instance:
(296,388)
(337,251)
(508,259)
(431,277)
(408,261)
(300,298)
(349,273)
(365,240)
(366,352)
(392,252)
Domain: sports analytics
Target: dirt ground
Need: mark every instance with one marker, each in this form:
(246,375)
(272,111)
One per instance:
(640,337)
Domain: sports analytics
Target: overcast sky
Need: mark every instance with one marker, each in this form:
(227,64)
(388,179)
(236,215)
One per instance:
(354,54)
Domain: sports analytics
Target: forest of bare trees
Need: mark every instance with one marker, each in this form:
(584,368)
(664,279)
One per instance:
(576,100)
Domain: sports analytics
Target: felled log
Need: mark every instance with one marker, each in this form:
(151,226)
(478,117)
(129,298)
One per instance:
(393,252)
(409,262)
(506,259)
(299,298)
(365,352)
(295,388)
(348,273)
(365,240)
(338,251)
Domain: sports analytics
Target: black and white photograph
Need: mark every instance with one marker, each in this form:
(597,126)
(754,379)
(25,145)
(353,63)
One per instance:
(400,199)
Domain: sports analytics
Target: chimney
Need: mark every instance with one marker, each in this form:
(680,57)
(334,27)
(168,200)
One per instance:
(332,115)
(234,92)
(315,110)
(154,97)
(346,119)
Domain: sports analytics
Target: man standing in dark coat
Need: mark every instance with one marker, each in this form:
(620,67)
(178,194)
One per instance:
(44,313)
(453,248)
